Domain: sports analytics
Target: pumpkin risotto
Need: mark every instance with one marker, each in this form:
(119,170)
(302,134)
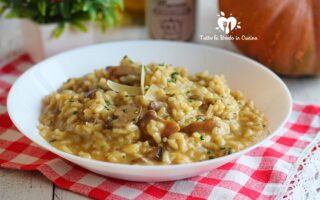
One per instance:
(150,115)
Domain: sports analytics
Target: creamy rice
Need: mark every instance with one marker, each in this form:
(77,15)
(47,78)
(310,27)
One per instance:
(179,117)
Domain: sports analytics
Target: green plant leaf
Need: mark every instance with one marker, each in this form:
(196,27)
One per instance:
(114,16)
(2,9)
(104,12)
(87,5)
(42,4)
(80,26)
(93,14)
(11,14)
(57,32)
(65,7)
(108,18)
(120,3)
(76,7)
(54,10)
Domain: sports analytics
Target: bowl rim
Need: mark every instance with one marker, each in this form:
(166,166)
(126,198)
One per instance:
(91,162)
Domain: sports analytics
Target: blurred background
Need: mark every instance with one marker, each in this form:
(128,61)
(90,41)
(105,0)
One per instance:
(12,40)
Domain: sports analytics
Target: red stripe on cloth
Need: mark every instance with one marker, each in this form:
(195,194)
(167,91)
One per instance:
(201,190)
(227,166)
(48,171)
(300,128)
(249,193)
(210,181)
(262,175)
(194,198)
(48,156)
(4,144)
(17,147)
(31,166)
(98,193)
(11,68)
(5,121)
(63,182)
(311,109)
(287,141)
(5,85)
(173,195)
(156,192)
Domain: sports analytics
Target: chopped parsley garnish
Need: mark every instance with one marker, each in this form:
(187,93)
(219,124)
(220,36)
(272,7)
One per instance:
(135,120)
(164,116)
(209,152)
(230,151)
(107,102)
(75,112)
(110,118)
(211,157)
(222,148)
(174,76)
(200,118)
(125,110)
(127,58)
(201,137)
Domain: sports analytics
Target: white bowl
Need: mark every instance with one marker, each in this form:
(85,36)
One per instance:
(256,81)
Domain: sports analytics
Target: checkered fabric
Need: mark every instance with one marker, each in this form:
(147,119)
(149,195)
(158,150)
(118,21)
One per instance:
(258,174)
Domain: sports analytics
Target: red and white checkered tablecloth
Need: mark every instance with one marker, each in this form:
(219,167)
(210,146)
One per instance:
(258,174)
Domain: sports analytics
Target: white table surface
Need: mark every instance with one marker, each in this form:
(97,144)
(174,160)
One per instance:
(18,185)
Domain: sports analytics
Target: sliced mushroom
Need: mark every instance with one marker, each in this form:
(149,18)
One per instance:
(205,126)
(91,93)
(157,105)
(159,153)
(126,114)
(156,153)
(170,127)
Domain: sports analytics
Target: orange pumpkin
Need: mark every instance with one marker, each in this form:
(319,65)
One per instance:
(288,33)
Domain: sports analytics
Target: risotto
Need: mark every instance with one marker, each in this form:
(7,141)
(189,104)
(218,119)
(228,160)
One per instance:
(152,114)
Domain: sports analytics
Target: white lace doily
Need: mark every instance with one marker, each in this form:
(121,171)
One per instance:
(303,182)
